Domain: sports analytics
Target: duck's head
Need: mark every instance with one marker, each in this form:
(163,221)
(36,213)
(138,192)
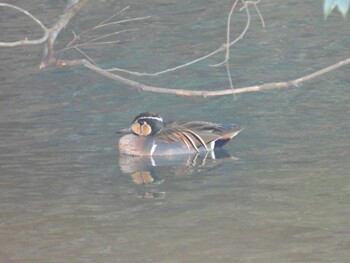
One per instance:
(146,124)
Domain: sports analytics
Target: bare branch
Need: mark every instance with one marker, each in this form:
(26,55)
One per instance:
(229,77)
(50,35)
(69,45)
(110,34)
(100,43)
(77,37)
(87,57)
(113,16)
(322,71)
(255,4)
(228,34)
(71,11)
(26,41)
(120,22)
(92,42)
(220,49)
(199,93)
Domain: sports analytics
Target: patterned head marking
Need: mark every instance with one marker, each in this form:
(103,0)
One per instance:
(147,123)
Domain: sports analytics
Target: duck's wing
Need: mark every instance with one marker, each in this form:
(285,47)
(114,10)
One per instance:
(196,134)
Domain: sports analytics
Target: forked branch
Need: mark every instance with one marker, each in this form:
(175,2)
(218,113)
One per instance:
(50,34)
(26,41)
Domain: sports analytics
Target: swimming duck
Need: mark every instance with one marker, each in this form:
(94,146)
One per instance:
(149,135)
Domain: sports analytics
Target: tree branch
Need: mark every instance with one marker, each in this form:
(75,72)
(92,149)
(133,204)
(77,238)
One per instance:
(201,93)
(71,11)
(26,41)
(73,6)
(222,48)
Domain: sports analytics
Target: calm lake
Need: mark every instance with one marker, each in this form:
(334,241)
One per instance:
(280,192)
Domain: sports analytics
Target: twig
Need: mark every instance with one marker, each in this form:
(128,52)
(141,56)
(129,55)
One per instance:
(228,71)
(48,54)
(91,41)
(111,34)
(255,4)
(100,43)
(169,69)
(220,49)
(26,41)
(228,35)
(87,57)
(77,37)
(113,16)
(120,22)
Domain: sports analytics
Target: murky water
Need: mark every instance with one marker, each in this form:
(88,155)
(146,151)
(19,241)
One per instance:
(280,193)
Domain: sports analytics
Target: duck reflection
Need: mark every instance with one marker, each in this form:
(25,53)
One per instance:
(146,170)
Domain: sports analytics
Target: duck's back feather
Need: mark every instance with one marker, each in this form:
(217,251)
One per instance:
(196,134)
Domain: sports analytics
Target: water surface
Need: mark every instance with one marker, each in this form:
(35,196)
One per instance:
(66,195)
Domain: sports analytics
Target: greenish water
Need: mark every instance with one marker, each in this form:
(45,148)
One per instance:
(67,196)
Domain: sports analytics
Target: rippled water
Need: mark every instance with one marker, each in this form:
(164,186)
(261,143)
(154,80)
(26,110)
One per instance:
(280,192)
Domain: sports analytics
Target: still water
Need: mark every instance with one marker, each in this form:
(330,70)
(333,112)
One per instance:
(280,192)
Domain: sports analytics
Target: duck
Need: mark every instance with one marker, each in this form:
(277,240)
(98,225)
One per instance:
(149,135)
